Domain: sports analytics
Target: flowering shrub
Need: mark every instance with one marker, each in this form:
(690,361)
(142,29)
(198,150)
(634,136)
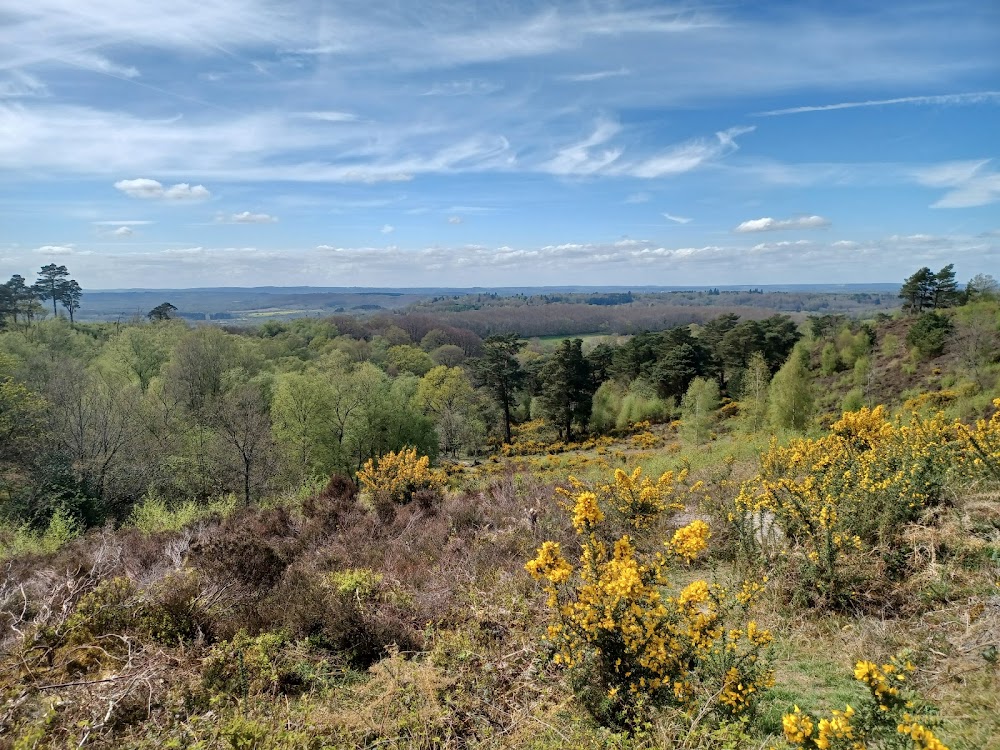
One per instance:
(631,641)
(852,492)
(891,715)
(397,476)
(689,541)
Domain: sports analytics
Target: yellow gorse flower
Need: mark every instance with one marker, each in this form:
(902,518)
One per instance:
(690,541)
(613,607)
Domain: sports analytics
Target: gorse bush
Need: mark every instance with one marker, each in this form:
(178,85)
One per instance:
(398,476)
(631,639)
(839,499)
(891,715)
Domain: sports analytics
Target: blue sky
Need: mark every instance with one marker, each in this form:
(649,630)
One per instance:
(348,143)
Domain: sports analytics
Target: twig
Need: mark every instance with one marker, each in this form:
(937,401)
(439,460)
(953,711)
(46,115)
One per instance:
(81,682)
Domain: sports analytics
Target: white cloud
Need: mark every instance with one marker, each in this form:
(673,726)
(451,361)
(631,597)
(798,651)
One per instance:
(148,189)
(688,156)
(19,84)
(767,224)
(972,183)
(246,217)
(598,75)
(468,87)
(454,219)
(581,158)
(58,250)
(328,116)
(976,97)
(586,158)
(99,64)
(387,229)
(640,197)
(123,232)
(677,219)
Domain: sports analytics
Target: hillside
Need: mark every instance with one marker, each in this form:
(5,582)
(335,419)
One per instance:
(220,539)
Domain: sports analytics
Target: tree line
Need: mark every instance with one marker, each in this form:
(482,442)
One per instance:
(21,303)
(96,416)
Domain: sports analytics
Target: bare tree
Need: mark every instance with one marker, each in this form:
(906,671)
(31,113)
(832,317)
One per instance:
(242,419)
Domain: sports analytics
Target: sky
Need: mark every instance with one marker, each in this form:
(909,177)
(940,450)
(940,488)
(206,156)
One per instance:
(422,143)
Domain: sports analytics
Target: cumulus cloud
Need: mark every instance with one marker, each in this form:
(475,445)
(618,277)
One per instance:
(454,219)
(387,229)
(767,224)
(148,189)
(59,250)
(123,232)
(246,217)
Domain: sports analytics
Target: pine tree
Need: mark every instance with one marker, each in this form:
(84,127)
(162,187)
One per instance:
(917,292)
(69,295)
(500,373)
(945,287)
(51,280)
(567,394)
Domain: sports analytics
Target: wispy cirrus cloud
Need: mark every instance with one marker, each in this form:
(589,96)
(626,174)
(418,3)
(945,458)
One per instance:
(677,219)
(467,87)
(767,224)
(328,116)
(595,154)
(19,84)
(597,75)
(971,183)
(976,97)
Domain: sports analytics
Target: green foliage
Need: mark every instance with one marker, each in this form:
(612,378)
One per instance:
(23,540)
(754,397)
(929,333)
(446,396)
(500,373)
(153,515)
(698,409)
(829,359)
(409,358)
(617,406)
(566,389)
(790,396)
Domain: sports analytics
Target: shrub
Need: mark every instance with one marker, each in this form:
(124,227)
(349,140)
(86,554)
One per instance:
(845,498)
(929,333)
(891,715)
(630,640)
(396,476)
